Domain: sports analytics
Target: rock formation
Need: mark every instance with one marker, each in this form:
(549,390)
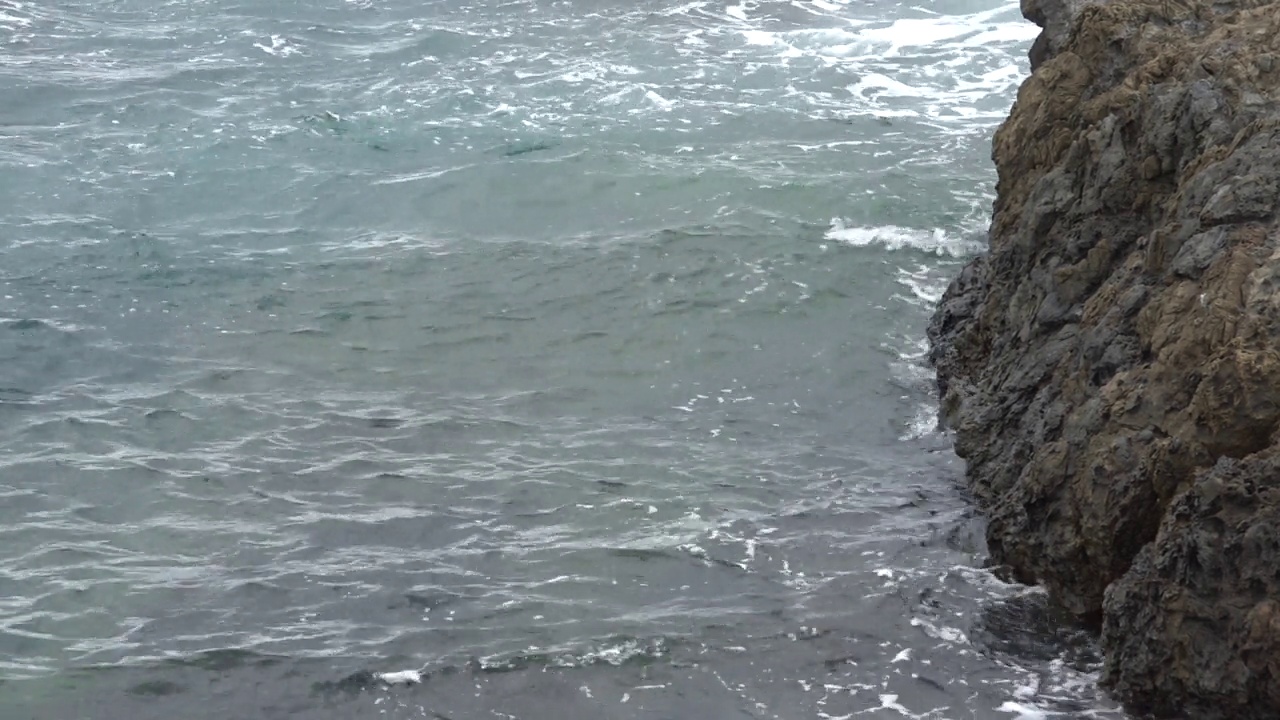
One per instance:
(1111,367)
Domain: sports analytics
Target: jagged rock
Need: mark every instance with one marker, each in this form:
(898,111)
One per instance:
(1209,588)
(1111,367)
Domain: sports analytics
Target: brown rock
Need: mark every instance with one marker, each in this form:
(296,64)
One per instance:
(1111,368)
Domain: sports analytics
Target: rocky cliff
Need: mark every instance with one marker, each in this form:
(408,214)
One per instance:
(1111,367)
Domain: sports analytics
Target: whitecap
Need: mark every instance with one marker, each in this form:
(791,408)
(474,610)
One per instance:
(894,237)
(875,84)
(1025,712)
(760,37)
(280,47)
(661,102)
(401,677)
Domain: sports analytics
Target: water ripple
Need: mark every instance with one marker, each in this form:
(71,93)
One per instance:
(568,353)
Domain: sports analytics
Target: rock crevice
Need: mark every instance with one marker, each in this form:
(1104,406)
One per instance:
(1111,367)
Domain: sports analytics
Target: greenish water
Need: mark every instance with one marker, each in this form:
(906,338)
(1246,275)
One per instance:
(566,352)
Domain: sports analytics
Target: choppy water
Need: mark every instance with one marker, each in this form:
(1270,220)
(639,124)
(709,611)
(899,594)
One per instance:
(567,352)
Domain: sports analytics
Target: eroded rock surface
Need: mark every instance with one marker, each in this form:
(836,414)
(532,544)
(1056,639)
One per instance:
(1111,368)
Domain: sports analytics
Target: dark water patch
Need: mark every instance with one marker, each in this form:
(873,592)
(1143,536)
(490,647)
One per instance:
(16,396)
(524,148)
(426,601)
(161,415)
(228,659)
(27,325)
(615,651)
(334,125)
(967,536)
(1030,625)
(271,301)
(357,682)
(155,688)
(643,554)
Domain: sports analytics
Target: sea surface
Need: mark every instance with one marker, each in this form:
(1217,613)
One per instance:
(565,357)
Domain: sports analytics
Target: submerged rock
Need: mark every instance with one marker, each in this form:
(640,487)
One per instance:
(1111,367)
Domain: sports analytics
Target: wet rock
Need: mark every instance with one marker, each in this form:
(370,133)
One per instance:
(1111,367)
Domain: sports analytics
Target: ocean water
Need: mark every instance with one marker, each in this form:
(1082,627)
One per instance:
(562,359)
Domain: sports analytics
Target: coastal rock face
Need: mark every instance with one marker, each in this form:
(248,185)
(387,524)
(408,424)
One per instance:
(1111,367)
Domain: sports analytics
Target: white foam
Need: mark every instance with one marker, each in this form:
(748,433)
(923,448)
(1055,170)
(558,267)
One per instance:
(1033,693)
(401,677)
(943,62)
(875,85)
(919,32)
(894,237)
(658,100)
(923,423)
(1004,33)
(12,15)
(941,632)
(13,21)
(280,47)
(580,76)
(927,287)
(889,701)
(1025,712)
